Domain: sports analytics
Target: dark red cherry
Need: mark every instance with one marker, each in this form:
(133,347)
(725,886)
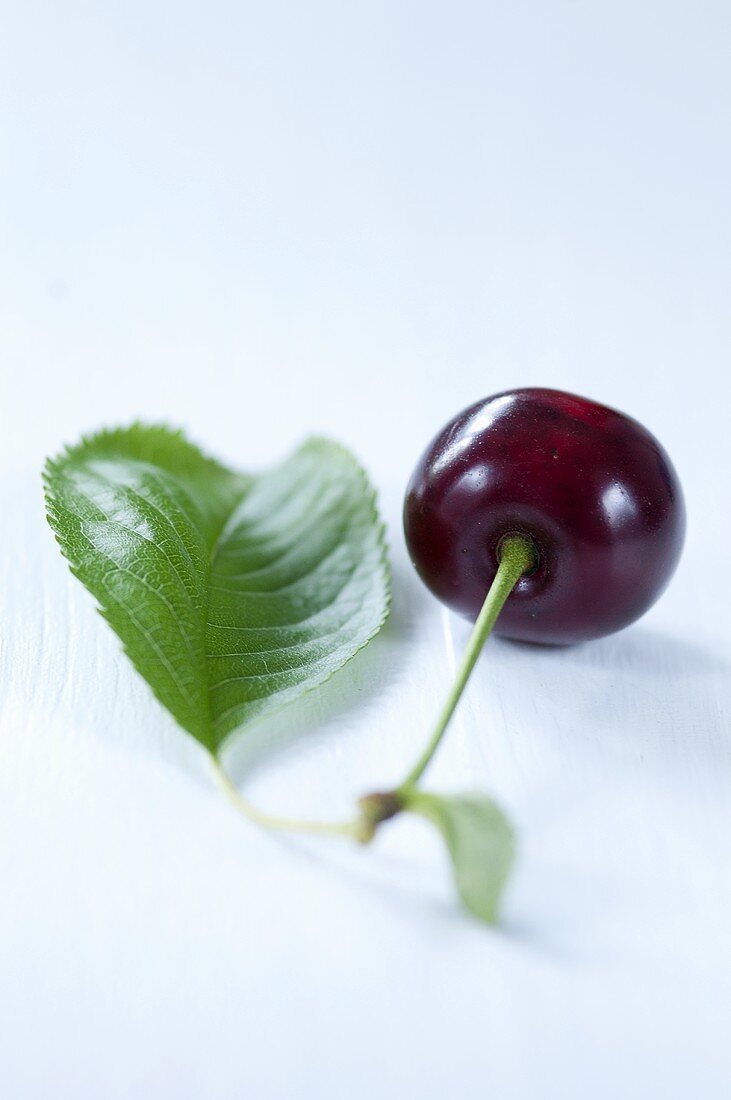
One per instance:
(592,488)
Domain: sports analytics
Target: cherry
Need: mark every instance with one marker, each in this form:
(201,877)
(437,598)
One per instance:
(590,488)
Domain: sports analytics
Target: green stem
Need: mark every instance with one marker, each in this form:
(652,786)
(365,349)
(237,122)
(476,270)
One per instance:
(352,829)
(517,556)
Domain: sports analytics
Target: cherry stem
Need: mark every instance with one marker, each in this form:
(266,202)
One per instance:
(517,556)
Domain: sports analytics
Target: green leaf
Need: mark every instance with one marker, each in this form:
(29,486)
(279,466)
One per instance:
(232,593)
(481,843)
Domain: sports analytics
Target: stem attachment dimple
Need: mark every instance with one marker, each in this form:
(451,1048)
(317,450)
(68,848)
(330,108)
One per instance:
(518,556)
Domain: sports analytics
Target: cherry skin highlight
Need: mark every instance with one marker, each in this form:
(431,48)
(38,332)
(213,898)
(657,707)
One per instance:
(592,488)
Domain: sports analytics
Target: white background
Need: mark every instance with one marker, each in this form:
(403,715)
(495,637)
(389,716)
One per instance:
(263,220)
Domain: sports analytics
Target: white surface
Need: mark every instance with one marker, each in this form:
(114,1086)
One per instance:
(264,220)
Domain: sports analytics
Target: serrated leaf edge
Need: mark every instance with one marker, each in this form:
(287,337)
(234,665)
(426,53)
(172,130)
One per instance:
(109,435)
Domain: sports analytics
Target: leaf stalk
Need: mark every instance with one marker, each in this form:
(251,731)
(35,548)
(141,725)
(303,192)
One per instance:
(281,824)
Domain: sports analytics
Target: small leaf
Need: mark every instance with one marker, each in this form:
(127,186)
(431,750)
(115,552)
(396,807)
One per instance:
(481,843)
(232,593)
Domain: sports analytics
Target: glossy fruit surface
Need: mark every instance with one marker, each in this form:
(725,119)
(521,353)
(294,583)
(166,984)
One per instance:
(592,488)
